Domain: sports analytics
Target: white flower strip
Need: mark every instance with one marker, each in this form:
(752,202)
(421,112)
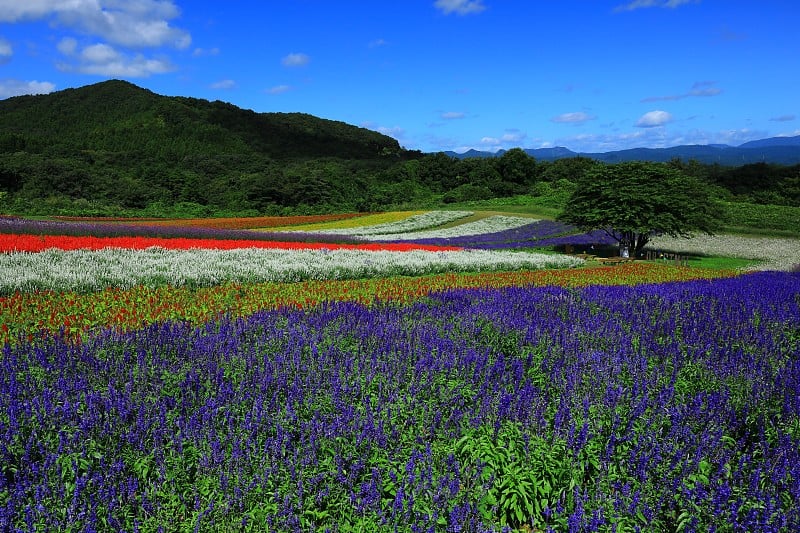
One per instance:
(86,270)
(773,253)
(423,221)
(491,224)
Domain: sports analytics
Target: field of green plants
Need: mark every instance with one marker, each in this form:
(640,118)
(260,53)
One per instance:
(413,371)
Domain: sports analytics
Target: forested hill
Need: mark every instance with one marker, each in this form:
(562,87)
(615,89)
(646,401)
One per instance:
(116,145)
(117,116)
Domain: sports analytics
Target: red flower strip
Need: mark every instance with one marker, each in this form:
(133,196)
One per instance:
(38,243)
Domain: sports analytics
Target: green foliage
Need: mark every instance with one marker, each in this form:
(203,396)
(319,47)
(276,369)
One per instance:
(635,200)
(517,476)
(777,218)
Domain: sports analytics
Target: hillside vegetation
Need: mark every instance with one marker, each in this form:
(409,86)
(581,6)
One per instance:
(116,149)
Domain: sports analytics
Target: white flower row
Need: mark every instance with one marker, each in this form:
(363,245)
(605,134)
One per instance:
(85,270)
(491,224)
(429,219)
(773,253)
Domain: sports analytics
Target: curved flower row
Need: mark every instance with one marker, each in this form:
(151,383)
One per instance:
(30,313)
(229,223)
(488,225)
(775,253)
(19,226)
(422,221)
(355,222)
(40,243)
(89,270)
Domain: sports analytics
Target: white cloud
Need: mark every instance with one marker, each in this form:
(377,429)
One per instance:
(279,89)
(452,115)
(459,7)
(6,51)
(224,84)
(653,119)
(132,23)
(99,53)
(578,117)
(9,88)
(783,118)
(67,46)
(377,43)
(295,60)
(396,131)
(104,60)
(639,4)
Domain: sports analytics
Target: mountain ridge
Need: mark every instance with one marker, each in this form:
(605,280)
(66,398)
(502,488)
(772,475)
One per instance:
(778,150)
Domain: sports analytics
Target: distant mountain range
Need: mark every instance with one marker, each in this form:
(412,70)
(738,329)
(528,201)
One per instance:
(777,150)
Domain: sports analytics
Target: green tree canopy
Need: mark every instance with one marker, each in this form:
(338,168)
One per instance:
(634,201)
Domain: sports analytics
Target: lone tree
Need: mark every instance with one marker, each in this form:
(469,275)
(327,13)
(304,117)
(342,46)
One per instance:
(634,201)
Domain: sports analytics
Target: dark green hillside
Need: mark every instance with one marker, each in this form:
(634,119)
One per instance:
(117,116)
(116,144)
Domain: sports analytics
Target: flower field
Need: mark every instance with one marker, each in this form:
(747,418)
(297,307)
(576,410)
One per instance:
(222,223)
(192,388)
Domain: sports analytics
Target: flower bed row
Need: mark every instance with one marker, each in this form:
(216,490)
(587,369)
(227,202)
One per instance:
(10,243)
(656,408)
(484,226)
(90,270)
(773,253)
(235,223)
(20,226)
(29,314)
(418,222)
(531,234)
(357,222)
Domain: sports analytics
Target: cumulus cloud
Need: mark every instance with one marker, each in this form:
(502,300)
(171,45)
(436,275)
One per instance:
(700,88)
(130,23)
(278,89)
(653,119)
(783,118)
(509,139)
(104,60)
(639,4)
(459,7)
(9,88)
(452,115)
(6,51)
(578,117)
(295,60)
(67,46)
(224,84)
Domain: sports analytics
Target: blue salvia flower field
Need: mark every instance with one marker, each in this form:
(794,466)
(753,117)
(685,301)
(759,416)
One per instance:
(663,407)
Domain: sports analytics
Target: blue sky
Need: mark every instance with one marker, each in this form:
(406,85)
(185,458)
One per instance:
(439,74)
